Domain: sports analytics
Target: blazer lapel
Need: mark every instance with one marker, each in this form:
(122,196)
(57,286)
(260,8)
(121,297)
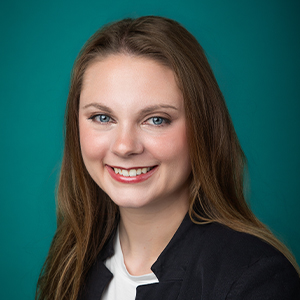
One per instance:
(170,267)
(98,276)
(167,290)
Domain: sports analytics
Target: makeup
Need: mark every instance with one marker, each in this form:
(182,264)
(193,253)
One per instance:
(131,179)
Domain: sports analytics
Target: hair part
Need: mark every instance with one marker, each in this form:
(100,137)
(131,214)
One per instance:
(86,217)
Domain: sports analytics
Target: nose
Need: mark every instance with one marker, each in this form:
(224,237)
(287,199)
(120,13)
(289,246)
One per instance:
(126,142)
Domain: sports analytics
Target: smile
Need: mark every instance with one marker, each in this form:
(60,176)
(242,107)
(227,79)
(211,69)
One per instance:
(134,175)
(132,172)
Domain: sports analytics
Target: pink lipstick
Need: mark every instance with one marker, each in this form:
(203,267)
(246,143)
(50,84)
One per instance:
(130,179)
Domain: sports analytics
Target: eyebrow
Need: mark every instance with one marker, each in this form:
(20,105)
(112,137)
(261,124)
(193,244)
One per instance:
(152,108)
(98,106)
(145,110)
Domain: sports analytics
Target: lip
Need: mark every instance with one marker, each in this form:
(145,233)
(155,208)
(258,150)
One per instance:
(134,179)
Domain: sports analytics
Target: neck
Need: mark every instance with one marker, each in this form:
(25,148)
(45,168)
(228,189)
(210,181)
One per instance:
(144,233)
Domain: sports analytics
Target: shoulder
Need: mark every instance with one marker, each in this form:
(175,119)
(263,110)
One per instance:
(242,265)
(219,245)
(217,239)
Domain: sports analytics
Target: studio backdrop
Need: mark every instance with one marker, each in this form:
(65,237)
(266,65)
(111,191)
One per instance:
(253,48)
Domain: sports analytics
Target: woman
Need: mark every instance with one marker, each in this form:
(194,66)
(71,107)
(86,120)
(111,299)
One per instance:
(150,196)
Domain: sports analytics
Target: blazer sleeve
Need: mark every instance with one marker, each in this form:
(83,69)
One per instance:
(269,278)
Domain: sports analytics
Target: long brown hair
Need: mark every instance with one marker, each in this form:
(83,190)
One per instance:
(86,216)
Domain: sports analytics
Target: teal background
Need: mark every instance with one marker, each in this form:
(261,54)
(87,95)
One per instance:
(253,47)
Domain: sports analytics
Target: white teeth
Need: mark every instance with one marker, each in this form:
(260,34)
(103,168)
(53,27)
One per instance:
(131,172)
(125,173)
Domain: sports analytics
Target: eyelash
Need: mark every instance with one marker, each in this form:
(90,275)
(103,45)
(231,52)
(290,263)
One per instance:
(93,118)
(165,121)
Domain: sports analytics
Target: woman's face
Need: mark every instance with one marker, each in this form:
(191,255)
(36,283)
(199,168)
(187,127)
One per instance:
(133,132)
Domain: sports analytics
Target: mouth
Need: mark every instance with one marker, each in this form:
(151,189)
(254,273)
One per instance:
(132,172)
(133,175)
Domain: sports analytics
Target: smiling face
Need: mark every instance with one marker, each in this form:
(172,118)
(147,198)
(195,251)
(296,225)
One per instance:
(132,129)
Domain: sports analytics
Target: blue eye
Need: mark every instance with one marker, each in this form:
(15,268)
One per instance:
(104,118)
(101,118)
(157,120)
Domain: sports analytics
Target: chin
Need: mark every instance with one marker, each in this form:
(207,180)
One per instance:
(130,203)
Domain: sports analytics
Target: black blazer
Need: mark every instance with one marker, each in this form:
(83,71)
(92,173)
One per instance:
(208,262)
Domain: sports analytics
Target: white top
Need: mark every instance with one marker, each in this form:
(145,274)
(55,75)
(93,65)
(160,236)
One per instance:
(123,285)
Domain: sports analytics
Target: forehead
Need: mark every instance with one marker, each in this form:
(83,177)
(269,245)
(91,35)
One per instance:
(129,78)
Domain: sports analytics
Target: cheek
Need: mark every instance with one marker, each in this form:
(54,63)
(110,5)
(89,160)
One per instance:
(181,150)
(173,148)
(92,146)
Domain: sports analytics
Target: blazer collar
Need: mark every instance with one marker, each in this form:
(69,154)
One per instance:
(171,263)
(169,268)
